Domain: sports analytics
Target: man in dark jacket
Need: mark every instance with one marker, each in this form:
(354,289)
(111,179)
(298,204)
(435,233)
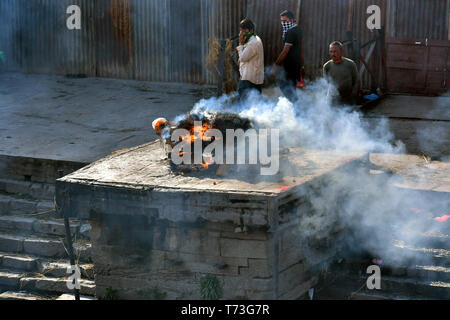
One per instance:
(292,57)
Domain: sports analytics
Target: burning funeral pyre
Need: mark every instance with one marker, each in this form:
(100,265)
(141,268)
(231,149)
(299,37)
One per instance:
(194,129)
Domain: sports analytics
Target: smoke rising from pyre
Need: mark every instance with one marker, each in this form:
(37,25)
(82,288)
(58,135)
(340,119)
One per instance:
(377,216)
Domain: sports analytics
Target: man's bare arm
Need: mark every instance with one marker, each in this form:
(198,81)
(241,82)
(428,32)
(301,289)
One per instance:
(283,55)
(281,58)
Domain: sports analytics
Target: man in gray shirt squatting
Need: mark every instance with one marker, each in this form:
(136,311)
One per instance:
(343,73)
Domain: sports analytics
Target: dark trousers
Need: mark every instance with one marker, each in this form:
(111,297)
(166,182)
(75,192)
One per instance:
(288,84)
(245,87)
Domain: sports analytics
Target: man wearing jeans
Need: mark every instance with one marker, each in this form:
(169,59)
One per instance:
(251,60)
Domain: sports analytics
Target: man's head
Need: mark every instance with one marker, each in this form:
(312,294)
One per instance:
(247,26)
(287,16)
(336,49)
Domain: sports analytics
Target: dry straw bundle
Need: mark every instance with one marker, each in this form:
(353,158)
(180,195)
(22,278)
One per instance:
(230,77)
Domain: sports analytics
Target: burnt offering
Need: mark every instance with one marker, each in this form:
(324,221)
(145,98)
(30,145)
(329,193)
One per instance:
(196,129)
(156,230)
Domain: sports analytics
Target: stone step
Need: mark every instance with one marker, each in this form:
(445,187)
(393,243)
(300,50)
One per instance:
(13,280)
(55,285)
(23,295)
(12,261)
(43,247)
(10,205)
(59,269)
(10,279)
(30,225)
(411,286)
(374,296)
(347,286)
(437,240)
(44,191)
(36,169)
(427,272)
(71,296)
(50,268)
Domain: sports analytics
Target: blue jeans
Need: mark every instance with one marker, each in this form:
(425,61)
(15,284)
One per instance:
(245,87)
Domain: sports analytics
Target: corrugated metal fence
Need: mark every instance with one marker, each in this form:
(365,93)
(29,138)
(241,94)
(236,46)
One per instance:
(420,19)
(167,40)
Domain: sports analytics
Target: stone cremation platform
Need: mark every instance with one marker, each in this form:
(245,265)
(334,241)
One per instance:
(156,233)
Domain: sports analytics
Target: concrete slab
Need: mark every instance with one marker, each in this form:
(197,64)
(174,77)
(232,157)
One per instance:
(416,172)
(11,295)
(146,166)
(421,123)
(82,120)
(71,296)
(414,107)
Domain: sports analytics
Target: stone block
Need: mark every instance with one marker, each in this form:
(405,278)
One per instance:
(259,268)
(184,240)
(13,222)
(11,295)
(20,206)
(9,279)
(71,296)
(243,248)
(291,277)
(42,206)
(11,243)
(22,263)
(238,233)
(87,287)
(289,257)
(301,289)
(44,248)
(53,227)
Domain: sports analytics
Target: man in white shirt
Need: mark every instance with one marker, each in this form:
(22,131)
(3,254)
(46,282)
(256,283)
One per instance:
(251,60)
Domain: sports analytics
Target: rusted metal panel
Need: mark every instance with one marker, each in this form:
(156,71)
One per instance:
(419,19)
(37,39)
(185,41)
(322,22)
(266,16)
(9,24)
(151,45)
(114,38)
(167,40)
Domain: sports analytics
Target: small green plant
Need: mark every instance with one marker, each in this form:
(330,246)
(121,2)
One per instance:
(111,294)
(210,288)
(151,294)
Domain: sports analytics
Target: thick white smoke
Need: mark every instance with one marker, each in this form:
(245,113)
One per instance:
(312,122)
(374,212)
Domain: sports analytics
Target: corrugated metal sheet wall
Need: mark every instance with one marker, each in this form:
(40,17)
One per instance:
(167,40)
(38,41)
(266,16)
(420,19)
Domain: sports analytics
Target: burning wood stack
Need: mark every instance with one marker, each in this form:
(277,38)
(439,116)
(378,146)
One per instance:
(195,128)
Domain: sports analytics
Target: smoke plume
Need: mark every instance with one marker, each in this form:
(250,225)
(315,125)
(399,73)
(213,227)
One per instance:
(377,216)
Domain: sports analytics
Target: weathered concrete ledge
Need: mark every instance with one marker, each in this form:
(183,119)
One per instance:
(155,233)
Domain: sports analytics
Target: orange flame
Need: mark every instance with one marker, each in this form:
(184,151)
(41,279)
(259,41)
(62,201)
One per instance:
(197,133)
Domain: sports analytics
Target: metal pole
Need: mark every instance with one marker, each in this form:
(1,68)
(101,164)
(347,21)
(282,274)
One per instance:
(69,246)
(71,255)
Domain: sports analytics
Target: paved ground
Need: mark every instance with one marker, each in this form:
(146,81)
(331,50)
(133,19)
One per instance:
(422,123)
(55,117)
